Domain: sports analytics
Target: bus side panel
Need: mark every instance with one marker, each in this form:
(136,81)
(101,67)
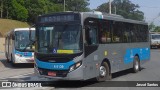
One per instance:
(120,56)
(110,52)
(6,46)
(10,49)
(89,64)
(133,49)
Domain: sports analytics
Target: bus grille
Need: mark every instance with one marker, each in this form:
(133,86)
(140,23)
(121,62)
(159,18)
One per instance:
(59,73)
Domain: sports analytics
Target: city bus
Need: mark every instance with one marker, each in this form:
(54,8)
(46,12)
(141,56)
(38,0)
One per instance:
(18,47)
(88,45)
(155,39)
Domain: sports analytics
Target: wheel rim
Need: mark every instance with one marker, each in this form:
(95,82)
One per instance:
(136,65)
(102,71)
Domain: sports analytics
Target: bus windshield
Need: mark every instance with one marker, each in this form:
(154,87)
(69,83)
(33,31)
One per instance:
(155,36)
(59,39)
(22,42)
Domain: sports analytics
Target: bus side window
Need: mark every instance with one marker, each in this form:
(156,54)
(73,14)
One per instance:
(117,32)
(88,42)
(104,36)
(91,35)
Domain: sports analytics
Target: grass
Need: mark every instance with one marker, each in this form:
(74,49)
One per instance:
(8,24)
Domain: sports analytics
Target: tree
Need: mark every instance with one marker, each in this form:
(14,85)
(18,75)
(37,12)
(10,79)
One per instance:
(77,5)
(154,28)
(7,8)
(28,10)
(39,7)
(123,7)
(151,27)
(157,29)
(73,5)
(19,12)
(1,7)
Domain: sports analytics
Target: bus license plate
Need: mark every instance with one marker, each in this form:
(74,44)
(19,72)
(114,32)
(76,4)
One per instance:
(52,74)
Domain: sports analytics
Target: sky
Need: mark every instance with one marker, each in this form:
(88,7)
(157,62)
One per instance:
(151,8)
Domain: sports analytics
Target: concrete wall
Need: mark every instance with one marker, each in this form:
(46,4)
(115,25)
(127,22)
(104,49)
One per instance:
(2,41)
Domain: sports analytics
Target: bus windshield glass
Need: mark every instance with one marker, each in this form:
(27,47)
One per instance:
(22,42)
(59,39)
(156,36)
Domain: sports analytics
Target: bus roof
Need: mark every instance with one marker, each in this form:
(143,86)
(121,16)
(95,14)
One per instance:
(21,29)
(97,14)
(18,29)
(114,17)
(154,32)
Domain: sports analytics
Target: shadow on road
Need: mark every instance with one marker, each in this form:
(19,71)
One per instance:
(9,65)
(88,83)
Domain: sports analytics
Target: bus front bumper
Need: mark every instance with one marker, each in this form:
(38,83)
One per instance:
(155,45)
(74,75)
(19,59)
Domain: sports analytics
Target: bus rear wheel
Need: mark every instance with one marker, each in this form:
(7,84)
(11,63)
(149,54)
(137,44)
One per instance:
(136,64)
(104,73)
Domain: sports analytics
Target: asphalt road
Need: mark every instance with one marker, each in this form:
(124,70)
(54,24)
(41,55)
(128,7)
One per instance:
(150,72)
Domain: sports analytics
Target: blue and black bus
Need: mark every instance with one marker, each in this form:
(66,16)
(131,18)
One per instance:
(86,45)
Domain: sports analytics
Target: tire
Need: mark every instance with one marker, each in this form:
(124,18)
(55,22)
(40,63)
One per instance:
(104,73)
(7,58)
(8,61)
(136,64)
(12,62)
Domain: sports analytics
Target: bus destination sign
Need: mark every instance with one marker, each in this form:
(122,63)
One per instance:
(59,18)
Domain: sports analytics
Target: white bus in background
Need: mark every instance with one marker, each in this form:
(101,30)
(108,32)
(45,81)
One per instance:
(155,39)
(18,47)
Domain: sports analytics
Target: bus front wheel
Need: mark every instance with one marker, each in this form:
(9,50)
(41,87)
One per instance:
(12,62)
(136,64)
(104,73)
(8,61)
(7,58)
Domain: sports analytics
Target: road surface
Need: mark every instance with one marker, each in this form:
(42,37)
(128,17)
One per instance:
(150,72)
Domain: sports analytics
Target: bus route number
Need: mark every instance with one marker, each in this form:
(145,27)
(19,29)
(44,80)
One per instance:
(58,66)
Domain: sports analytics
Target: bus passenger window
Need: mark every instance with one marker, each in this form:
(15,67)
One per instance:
(91,35)
(103,38)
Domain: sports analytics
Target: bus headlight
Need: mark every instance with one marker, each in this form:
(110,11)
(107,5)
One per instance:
(75,66)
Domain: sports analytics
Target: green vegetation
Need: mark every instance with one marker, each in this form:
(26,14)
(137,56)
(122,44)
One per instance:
(123,7)
(154,28)
(77,5)
(28,10)
(7,25)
